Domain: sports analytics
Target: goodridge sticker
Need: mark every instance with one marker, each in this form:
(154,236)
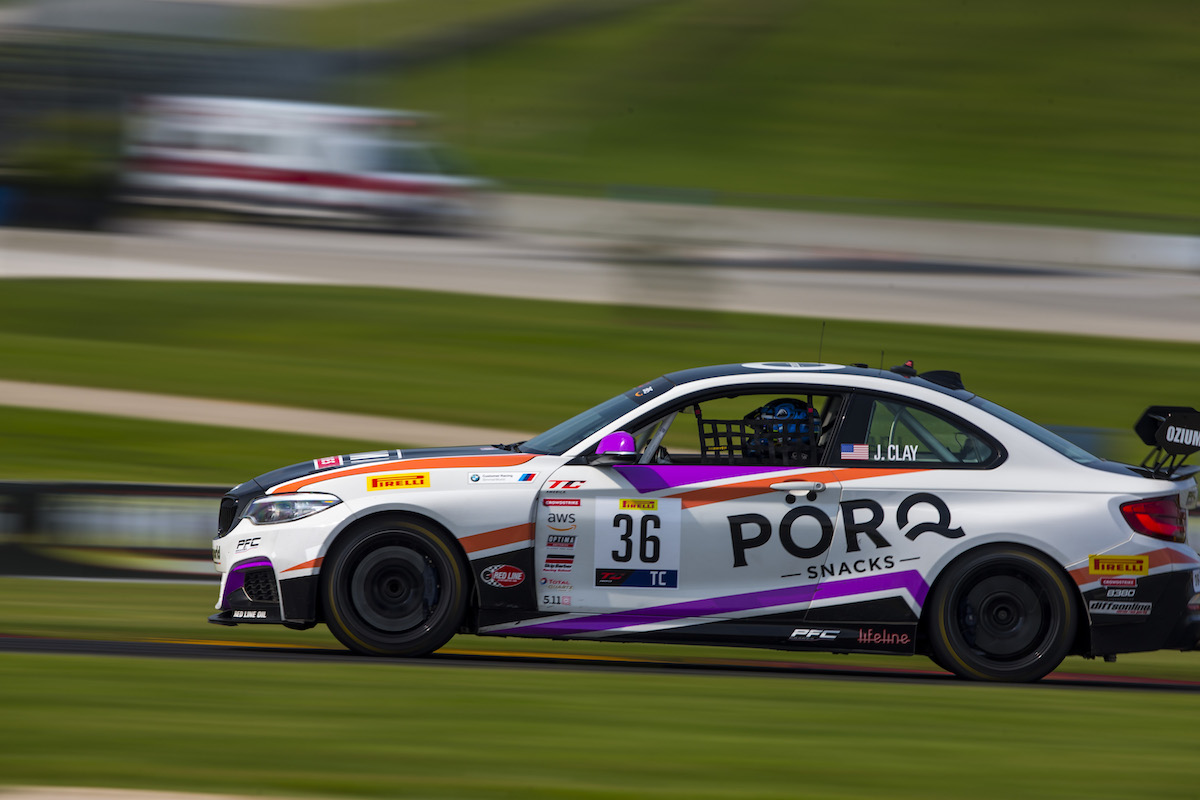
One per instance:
(1119,565)
(402,480)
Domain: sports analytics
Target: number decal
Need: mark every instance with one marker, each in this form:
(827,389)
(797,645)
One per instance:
(637,542)
(648,544)
(622,556)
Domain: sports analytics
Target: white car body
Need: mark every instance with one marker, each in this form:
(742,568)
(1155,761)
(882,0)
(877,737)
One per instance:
(996,559)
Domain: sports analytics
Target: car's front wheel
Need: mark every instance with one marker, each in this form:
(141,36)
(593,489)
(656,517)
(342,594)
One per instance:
(395,587)
(1002,614)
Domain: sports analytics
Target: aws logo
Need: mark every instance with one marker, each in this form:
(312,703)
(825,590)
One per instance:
(561,522)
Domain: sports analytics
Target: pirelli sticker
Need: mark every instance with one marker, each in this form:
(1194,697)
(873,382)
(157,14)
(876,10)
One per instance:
(399,480)
(1119,565)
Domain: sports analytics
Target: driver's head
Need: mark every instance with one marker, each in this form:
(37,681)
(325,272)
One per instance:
(785,408)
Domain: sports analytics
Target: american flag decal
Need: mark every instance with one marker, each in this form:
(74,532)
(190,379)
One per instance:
(854,452)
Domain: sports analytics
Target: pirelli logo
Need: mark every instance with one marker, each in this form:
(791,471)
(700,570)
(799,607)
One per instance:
(1119,565)
(639,505)
(402,480)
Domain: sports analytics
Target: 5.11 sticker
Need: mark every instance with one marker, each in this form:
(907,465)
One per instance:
(637,542)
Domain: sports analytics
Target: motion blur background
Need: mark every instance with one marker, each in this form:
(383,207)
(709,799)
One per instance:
(560,199)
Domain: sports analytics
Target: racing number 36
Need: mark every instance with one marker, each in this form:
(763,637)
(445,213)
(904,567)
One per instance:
(649,545)
(637,542)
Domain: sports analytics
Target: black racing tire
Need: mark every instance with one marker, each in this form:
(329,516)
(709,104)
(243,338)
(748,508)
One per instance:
(1002,614)
(394,587)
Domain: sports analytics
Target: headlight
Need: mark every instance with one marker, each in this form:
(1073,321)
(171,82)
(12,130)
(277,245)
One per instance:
(288,507)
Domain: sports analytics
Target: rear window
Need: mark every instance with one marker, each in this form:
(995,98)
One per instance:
(1048,438)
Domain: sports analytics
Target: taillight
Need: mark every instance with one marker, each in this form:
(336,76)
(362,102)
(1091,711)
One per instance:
(1160,517)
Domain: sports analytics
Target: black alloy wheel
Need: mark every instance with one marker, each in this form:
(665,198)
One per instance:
(1002,614)
(395,587)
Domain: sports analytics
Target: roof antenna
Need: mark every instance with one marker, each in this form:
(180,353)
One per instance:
(880,360)
(821,343)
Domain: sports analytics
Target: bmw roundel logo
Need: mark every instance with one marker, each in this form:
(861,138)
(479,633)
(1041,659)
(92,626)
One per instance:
(475,477)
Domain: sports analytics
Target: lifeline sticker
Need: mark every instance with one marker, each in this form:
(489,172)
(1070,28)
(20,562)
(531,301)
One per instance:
(402,480)
(1119,565)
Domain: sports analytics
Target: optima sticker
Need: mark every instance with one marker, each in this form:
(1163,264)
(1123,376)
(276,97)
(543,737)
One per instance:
(1119,565)
(404,480)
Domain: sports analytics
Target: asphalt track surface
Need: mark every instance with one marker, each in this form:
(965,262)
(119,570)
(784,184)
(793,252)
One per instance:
(499,659)
(846,268)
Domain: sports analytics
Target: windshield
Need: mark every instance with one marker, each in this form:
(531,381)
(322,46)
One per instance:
(565,435)
(1052,440)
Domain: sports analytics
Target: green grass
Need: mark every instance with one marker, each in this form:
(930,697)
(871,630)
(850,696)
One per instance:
(988,107)
(372,23)
(517,364)
(43,445)
(364,729)
(512,364)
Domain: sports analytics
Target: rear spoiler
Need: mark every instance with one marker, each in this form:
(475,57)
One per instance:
(1174,433)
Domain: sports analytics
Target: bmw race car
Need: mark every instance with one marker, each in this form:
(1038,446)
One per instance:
(780,505)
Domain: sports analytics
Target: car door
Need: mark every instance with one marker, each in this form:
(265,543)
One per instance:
(690,536)
(911,476)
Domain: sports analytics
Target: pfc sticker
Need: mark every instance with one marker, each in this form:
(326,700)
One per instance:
(637,542)
(401,480)
(1119,565)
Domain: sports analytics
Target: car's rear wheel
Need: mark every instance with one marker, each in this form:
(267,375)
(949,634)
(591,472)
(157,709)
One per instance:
(1002,614)
(395,587)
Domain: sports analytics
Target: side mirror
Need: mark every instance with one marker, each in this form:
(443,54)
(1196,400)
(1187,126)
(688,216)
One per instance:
(617,447)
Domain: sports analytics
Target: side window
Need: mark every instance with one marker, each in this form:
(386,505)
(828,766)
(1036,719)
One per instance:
(884,430)
(750,430)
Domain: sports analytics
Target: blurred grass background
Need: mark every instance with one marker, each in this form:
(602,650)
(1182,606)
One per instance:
(1018,111)
(1022,111)
(510,364)
(380,730)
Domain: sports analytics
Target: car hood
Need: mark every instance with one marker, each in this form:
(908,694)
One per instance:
(264,482)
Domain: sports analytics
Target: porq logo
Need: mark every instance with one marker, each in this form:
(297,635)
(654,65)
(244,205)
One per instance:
(639,505)
(1119,565)
(403,480)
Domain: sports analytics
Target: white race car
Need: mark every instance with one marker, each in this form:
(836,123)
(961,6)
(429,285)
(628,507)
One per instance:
(780,505)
